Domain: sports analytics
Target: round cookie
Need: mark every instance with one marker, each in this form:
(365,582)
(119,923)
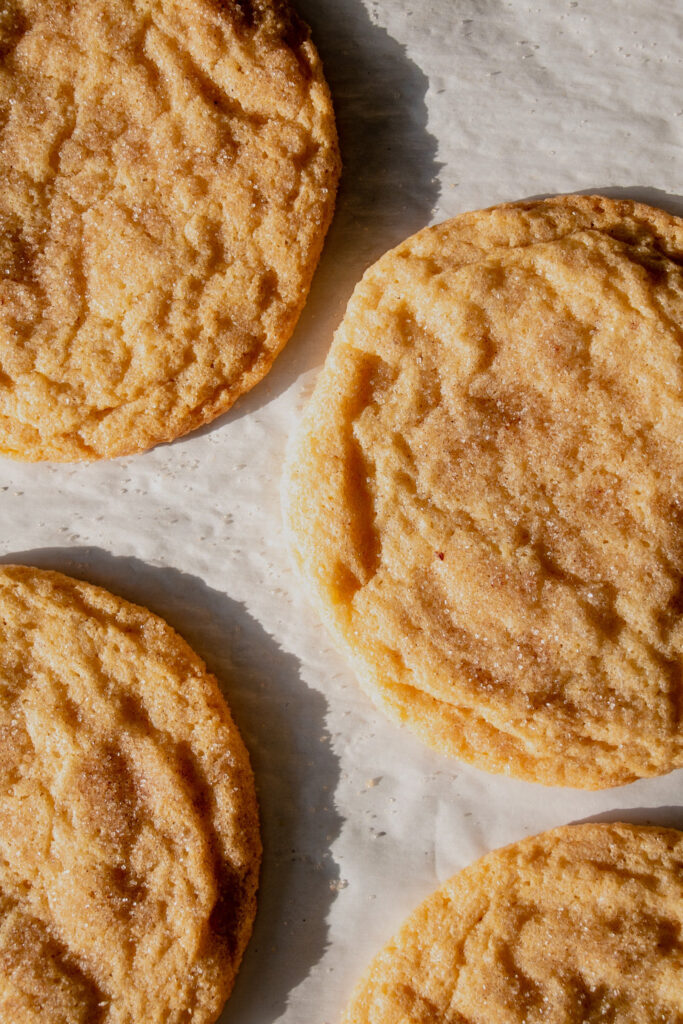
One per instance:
(486,493)
(168,171)
(579,924)
(129,836)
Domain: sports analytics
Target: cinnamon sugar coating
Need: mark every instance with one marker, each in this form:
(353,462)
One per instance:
(486,494)
(168,171)
(129,836)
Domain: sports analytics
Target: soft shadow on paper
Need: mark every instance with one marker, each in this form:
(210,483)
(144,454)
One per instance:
(389,186)
(282,722)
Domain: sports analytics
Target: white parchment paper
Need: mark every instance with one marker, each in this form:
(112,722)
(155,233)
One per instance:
(443,106)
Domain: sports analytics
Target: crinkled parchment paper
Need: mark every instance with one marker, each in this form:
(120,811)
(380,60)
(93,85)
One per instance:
(443,106)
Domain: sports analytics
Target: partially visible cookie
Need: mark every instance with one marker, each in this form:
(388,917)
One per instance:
(129,837)
(168,171)
(486,493)
(579,924)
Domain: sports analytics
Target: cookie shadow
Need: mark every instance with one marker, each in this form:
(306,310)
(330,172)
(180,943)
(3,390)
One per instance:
(669,201)
(389,186)
(667,817)
(282,722)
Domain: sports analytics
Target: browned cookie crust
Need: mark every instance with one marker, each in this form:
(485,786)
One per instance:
(581,924)
(129,837)
(168,171)
(486,494)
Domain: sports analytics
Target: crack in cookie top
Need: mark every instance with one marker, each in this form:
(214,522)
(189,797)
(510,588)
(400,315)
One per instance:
(167,174)
(129,836)
(486,494)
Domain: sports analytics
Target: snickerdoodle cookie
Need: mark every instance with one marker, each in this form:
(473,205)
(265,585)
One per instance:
(129,838)
(168,171)
(579,924)
(486,494)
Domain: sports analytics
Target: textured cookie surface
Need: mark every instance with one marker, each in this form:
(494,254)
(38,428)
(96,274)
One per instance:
(129,838)
(486,494)
(167,174)
(580,924)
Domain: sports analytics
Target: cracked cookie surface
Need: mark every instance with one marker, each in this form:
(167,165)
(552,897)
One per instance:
(167,174)
(579,924)
(486,493)
(129,836)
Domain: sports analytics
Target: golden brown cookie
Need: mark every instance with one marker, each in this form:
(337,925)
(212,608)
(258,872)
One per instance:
(129,838)
(486,494)
(579,924)
(167,175)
